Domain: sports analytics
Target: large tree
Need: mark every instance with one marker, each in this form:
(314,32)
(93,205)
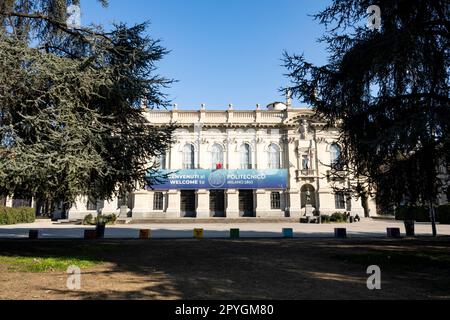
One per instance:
(387,88)
(73,102)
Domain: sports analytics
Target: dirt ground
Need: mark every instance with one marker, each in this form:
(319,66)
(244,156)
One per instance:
(241,269)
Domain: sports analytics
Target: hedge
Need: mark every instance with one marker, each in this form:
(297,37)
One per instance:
(421,214)
(336,217)
(107,219)
(443,213)
(17,215)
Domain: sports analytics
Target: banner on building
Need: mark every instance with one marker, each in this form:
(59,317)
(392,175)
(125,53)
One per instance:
(218,179)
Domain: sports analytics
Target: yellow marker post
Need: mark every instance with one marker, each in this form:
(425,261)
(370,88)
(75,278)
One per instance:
(199,233)
(144,234)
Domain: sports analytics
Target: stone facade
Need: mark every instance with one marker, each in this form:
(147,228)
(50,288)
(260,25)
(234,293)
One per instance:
(305,149)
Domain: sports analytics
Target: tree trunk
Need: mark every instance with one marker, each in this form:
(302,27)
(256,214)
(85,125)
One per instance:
(365,205)
(433,218)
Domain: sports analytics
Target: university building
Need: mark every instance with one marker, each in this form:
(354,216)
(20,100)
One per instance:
(269,162)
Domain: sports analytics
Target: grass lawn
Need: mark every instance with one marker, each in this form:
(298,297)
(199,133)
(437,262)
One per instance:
(41,264)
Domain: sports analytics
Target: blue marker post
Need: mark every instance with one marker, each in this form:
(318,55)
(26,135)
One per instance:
(288,233)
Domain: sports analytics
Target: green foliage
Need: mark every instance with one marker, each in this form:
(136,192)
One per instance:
(45,264)
(10,216)
(387,92)
(88,220)
(418,214)
(73,106)
(338,217)
(443,214)
(109,219)
(106,219)
(421,214)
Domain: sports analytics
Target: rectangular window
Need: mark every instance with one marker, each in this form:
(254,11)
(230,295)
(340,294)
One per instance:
(92,204)
(339,199)
(305,163)
(275,201)
(18,203)
(95,204)
(158,201)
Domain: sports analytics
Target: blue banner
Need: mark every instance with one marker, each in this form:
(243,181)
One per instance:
(220,179)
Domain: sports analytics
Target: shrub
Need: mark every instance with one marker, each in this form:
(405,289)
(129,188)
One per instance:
(419,214)
(88,220)
(443,214)
(338,217)
(107,219)
(326,219)
(17,215)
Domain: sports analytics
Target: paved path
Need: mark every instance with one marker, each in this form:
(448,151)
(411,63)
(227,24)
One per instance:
(367,228)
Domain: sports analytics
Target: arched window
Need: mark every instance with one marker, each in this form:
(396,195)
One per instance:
(246,156)
(335,151)
(188,157)
(216,155)
(274,157)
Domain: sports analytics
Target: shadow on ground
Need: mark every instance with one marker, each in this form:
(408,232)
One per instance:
(238,269)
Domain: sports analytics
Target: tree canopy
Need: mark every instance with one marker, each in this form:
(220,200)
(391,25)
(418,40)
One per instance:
(388,91)
(73,102)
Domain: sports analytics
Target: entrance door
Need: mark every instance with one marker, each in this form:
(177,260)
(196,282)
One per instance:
(246,203)
(217,203)
(187,202)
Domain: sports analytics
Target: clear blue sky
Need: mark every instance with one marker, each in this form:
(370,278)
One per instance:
(222,51)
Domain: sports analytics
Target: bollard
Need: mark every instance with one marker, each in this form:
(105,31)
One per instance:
(198,233)
(235,233)
(340,233)
(144,234)
(90,234)
(393,233)
(288,233)
(33,234)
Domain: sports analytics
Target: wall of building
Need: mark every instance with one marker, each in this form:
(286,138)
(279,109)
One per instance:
(296,132)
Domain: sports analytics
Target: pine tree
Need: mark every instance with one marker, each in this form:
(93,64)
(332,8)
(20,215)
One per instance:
(72,119)
(387,89)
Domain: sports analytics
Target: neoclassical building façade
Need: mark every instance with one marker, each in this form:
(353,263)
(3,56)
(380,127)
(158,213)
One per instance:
(270,163)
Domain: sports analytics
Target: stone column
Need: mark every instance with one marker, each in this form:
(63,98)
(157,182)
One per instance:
(203,204)
(142,204)
(173,204)
(357,208)
(373,206)
(9,201)
(232,204)
(327,202)
(295,206)
(263,209)
(111,206)
(79,209)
